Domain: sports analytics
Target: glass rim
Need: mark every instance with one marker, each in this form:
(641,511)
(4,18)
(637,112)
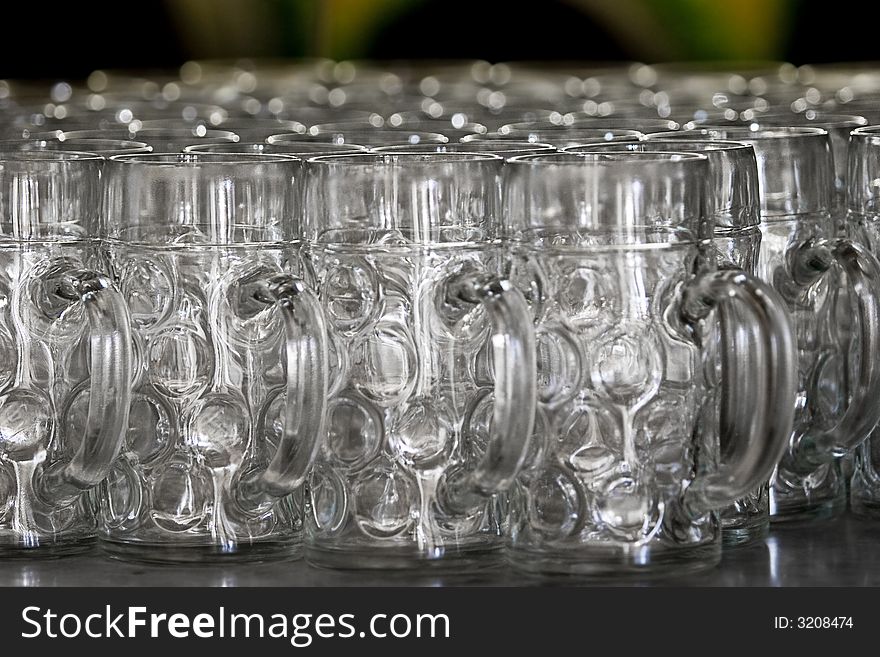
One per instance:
(504,144)
(868,132)
(191,160)
(7,155)
(587,122)
(424,134)
(722,144)
(822,120)
(568,159)
(608,134)
(119,143)
(96,133)
(755,130)
(344,149)
(428,158)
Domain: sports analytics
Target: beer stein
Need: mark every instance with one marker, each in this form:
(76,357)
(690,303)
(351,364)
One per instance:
(432,396)
(229,394)
(66,366)
(863,170)
(628,472)
(733,206)
(830,285)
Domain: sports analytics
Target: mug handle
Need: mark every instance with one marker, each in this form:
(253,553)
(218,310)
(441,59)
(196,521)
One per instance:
(766,374)
(307,387)
(807,264)
(513,345)
(109,327)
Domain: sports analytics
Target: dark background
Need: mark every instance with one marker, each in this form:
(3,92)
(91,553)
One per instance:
(71,39)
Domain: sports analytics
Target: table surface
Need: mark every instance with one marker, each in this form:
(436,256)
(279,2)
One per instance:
(840,552)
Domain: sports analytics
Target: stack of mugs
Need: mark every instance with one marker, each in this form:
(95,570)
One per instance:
(594,321)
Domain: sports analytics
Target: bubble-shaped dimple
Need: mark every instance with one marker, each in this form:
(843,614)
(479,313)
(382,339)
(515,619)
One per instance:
(627,508)
(467,325)
(76,360)
(556,504)
(338,363)
(151,425)
(218,428)
(53,315)
(478,423)
(828,396)
(527,276)
(252,321)
(328,500)
(590,439)
(8,357)
(354,431)
(351,295)
(56,519)
(26,423)
(585,294)
(180,493)
(74,419)
(7,492)
(148,288)
(627,366)
(663,431)
(384,367)
(271,422)
(122,496)
(422,433)
(449,515)
(558,360)
(180,362)
(384,500)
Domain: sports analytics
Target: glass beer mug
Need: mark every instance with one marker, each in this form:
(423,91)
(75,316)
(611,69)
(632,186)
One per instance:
(863,203)
(830,285)
(433,368)
(229,392)
(733,206)
(66,355)
(628,472)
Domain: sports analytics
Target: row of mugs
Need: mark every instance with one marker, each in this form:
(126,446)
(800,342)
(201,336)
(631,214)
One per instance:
(592,362)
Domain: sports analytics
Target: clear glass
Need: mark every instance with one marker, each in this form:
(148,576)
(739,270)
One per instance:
(252,129)
(830,285)
(161,140)
(838,126)
(734,208)
(627,471)
(66,354)
(370,137)
(499,147)
(574,122)
(103,147)
(560,137)
(863,203)
(302,150)
(433,374)
(229,396)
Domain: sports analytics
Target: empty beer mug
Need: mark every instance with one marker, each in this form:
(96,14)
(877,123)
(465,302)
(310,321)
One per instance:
(831,286)
(66,354)
(627,472)
(433,361)
(228,397)
(863,211)
(733,206)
